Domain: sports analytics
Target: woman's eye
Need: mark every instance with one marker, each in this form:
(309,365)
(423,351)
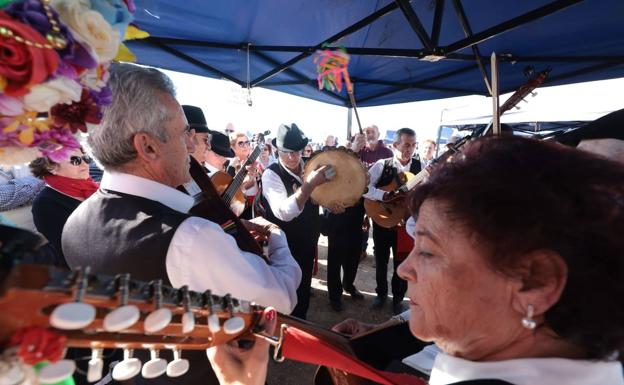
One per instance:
(425,254)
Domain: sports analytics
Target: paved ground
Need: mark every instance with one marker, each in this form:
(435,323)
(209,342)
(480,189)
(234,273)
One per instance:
(294,373)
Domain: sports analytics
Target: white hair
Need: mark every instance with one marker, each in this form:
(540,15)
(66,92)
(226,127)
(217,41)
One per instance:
(137,107)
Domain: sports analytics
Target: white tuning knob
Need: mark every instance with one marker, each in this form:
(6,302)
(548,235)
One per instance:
(155,367)
(121,318)
(96,366)
(213,323)
(234,325)
(178,366)
(127,368)
(72,316)
(57,371)
(157,320)
(188,322)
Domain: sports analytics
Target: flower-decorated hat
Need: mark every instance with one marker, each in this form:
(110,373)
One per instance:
(53,79)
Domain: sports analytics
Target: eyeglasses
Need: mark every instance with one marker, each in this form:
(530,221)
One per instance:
(290,154)
(243,144)
(77,160)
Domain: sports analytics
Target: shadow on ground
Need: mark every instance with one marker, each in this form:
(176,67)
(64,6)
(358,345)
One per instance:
(295,373)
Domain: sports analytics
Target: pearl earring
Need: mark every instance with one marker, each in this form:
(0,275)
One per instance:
(528,321)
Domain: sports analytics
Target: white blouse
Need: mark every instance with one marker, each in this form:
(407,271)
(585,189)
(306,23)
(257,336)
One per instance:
(527,371)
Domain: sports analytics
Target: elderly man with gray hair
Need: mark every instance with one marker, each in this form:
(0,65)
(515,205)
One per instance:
(138,223)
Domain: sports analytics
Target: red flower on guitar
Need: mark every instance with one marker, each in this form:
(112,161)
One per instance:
(38,344)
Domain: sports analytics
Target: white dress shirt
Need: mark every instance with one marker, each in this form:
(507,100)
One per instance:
(527,371)
(191,186)
(374,174)
(202,256)
(284,207)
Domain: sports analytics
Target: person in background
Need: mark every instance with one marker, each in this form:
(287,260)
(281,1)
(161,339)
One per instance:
(427,152)
(19,192)
(217,152)
(516,275)
(307,151)
(382,173)
(330,142)
(197,121)
(242,148)
(369,147)
(67,184)
(266,157)
(286,202)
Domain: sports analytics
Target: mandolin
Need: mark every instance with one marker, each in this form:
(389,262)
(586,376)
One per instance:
(117,312)
(229,188)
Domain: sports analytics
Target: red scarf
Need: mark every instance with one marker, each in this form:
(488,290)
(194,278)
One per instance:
(77,188)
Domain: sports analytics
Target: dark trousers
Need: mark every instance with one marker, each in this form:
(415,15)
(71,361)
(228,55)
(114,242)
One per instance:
(385,240)
(344,249)
(303,250)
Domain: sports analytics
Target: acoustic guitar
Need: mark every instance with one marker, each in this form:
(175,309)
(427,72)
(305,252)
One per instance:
(116,312)
(393,210)
(229,188)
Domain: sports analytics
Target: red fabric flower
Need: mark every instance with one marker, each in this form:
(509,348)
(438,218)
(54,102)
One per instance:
(38,344)
(75,116)
(22,65)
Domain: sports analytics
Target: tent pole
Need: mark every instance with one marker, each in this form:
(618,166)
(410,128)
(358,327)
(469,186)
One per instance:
(496,129)
(349,122)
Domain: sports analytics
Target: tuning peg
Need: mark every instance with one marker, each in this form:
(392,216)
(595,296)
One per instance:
(178,366)
(161,317)
(125,315)
(155,367)
(127,368)
(57,372)
(96,365)
(188,318)
(74,315)
(234,324)
(213,319)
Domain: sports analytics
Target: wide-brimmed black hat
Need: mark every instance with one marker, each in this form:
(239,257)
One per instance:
(220,144)
(290,138)
(196,119)
(609,126)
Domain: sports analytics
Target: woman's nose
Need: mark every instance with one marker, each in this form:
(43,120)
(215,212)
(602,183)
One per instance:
(406,269)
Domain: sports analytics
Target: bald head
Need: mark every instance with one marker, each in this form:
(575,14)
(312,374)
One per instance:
(609,148)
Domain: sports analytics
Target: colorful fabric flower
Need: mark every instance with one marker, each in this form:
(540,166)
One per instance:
(75,116)
(38,344)
(61,90)
(90,27)
(10,106)
(115,12)
(32,13)
(57,144)
(22,65)
(15,155)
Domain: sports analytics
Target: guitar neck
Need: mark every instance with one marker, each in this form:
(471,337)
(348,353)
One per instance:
(231,190)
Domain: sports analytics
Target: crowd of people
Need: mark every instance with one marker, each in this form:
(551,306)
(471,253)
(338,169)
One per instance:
(512,259)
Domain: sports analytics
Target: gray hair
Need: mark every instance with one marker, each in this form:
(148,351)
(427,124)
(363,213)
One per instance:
(137,107)
(403,131)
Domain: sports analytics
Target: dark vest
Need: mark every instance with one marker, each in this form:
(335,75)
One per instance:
(389,172)
(114,232)
(304,229)
(117,233)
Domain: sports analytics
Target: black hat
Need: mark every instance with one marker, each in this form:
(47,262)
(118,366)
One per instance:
(195,118)
(220,144)
(290,138)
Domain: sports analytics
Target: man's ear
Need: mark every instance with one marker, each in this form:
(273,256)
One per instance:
(542,278)
(145,146)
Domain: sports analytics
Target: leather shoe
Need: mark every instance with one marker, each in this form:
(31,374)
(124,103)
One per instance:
(397,308)
(336,305)
(355,294)
(379,301)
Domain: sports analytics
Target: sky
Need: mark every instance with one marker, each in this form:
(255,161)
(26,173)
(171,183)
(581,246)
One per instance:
(224,102)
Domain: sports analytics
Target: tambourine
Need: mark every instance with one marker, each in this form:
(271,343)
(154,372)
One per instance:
(348,184)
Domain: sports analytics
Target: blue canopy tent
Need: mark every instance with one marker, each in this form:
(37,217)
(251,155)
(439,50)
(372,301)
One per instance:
(401,50)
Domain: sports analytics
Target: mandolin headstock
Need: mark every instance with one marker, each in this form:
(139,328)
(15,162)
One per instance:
(99,311)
